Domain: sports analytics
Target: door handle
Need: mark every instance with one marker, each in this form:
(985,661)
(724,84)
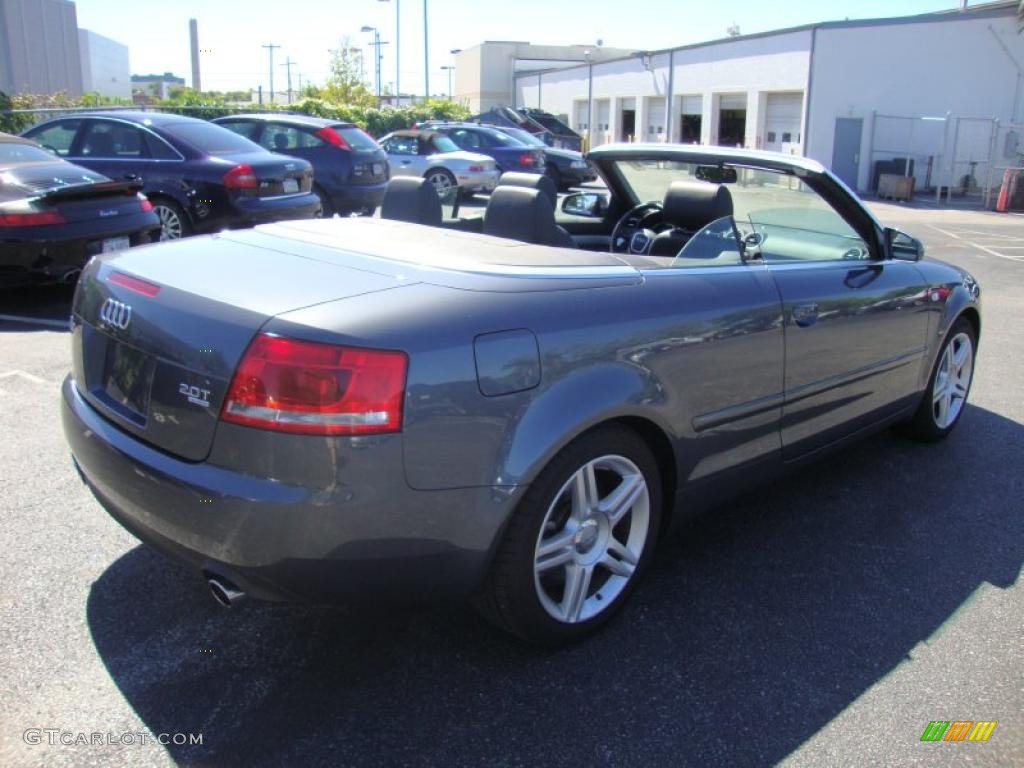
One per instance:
(805,314)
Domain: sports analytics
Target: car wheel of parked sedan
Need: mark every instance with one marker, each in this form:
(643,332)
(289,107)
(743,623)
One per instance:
(944,399)
(326,209)
(442,179)
(173,224)
(578,541)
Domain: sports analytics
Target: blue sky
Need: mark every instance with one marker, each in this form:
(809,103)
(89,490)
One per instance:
(231,32)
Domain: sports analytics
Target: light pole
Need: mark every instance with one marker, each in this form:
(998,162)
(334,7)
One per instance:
(288,64)
(398,48)
(450,68)
(426,56)
(453,52)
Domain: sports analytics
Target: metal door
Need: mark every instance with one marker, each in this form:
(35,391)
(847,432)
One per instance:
(846,149)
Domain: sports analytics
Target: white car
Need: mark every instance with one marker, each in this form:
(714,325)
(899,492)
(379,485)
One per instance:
(438,159)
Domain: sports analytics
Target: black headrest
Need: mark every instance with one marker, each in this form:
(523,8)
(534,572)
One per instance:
(538,181)
(521,214)
(692,205)
(411,199)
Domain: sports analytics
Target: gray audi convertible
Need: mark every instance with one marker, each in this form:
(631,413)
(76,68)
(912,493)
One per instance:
(509,409)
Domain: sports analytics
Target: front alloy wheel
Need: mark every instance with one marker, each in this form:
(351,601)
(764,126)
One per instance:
(943,402)
(578,541)
(952,380)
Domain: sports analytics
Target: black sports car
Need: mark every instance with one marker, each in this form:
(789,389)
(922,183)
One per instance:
(55,215)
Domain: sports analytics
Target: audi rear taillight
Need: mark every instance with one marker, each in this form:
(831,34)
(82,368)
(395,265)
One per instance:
(527,159)
(144,204)
(35,219)
(313,388)
(241,177)
(332,137)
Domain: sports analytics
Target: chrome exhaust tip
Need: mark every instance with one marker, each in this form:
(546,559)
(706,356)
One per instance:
(224,592)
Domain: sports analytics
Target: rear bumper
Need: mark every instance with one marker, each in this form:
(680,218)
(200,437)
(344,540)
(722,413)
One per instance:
(247,212)
(365,535)
(32,261)
(478,181)
(357,197)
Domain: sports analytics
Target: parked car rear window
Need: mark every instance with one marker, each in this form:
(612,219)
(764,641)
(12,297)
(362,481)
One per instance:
(355,137)
(210,138)
(56,136)
(444,144)
(23,153)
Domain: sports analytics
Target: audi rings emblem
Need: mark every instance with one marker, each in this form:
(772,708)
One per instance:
(116,313)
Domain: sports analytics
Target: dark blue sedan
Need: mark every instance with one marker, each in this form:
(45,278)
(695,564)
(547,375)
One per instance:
(200,177)
(350,169)
(508,152)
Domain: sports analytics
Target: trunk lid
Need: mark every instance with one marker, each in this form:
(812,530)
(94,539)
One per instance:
(156,357)
(277,175)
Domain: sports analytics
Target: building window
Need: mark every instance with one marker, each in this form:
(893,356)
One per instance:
(771,137)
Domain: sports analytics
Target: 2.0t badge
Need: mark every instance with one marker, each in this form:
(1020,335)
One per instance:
(196,395)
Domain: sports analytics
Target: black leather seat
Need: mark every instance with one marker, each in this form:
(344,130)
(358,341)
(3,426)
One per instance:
(411,199)
(689,206)
(524,214)
(538,181)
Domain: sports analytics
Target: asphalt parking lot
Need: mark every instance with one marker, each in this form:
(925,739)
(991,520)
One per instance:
(822,621)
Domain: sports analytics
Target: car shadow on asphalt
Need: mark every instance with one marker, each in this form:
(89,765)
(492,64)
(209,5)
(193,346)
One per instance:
(758,623)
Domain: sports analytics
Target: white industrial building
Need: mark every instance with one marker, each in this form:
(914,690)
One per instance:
(845,93)
(105,68)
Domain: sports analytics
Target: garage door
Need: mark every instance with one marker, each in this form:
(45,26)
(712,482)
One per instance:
(582,116)
(783,120)
(655,118)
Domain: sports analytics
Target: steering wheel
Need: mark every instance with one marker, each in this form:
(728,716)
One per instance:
(639,217)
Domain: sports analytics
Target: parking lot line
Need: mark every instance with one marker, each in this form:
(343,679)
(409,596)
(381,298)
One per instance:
(62,324)
(24,375)
(997,253)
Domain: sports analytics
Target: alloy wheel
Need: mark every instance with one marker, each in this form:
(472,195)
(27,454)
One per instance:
(170,222)
(952,380)
(442,181)
(591,539)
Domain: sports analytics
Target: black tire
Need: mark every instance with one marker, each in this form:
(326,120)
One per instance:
(326,209)
(927,425)
(174,224)
(511,597)
(552,172)
(436,175)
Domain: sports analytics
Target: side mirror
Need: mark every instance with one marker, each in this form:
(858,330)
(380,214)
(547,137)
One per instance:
(588,204)
(902,246)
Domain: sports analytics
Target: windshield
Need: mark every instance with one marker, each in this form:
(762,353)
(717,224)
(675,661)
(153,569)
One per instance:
(211,139)
(444,144)
(13,152)
(503,139)
(524,136)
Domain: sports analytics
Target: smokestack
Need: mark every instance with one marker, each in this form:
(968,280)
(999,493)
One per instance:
(193,33)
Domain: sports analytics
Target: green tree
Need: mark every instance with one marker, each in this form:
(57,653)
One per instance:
(345,85)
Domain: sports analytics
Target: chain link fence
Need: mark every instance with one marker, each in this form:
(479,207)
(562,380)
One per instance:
(953,160)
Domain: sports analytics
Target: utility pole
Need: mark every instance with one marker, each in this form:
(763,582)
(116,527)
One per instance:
(288,67)
(300,83)
(426,56)
(270,49)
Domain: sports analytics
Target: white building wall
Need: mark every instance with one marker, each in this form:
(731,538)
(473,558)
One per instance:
(750,65)
(105,67)
(922,68)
